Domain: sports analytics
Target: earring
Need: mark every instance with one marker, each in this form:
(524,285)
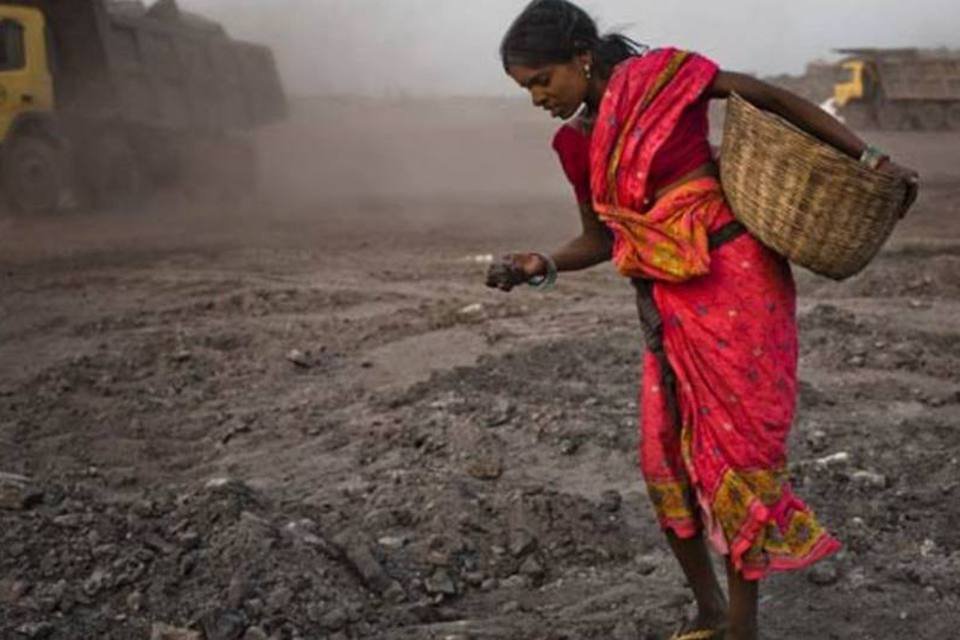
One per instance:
(586,70)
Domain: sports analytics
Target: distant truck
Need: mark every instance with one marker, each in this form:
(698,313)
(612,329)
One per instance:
(100,100)
(900,89)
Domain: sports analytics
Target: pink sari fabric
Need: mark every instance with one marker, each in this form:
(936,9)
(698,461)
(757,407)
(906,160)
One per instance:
(729,334)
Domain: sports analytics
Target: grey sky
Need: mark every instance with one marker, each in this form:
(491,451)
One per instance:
(381,47)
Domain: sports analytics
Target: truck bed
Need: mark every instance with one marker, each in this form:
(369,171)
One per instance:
(158,68)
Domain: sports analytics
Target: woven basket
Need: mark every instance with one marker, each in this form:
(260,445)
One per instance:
(801,197)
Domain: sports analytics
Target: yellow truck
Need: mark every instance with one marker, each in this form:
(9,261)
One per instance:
(900,89)
(101,100)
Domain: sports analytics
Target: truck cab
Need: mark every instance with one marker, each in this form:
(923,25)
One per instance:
(32,156)
(26,83)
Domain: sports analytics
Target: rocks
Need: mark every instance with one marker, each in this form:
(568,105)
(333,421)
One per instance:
(646,564)
(36,630)
(299,358)
(569,446)
(11,591)
(224,624)
(532,569)
(95,583)
(824,574)
(161,631)
(521,543)
(17,493)
(838,460)
(501,413)
(610,501)
(440,583)
(255,633)
(356,550)
(868,480)
(485,467)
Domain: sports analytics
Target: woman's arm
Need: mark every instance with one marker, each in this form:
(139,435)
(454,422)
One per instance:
(593,246)
(806,116)
(800,112)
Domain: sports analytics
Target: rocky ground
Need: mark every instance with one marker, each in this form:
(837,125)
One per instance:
(310,420)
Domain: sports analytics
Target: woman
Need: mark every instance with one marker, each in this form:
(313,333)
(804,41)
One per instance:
(718,308)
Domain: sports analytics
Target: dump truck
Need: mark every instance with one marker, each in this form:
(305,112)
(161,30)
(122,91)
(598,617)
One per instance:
(900,89)
(101,100)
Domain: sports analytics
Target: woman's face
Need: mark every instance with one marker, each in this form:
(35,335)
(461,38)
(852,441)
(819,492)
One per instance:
(558,88)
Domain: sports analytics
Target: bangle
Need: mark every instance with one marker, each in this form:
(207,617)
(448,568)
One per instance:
(872,157)
(548,280)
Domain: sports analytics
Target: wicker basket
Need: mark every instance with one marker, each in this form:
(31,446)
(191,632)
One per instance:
(802,198)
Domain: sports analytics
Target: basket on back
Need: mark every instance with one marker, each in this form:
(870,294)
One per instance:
(801,197)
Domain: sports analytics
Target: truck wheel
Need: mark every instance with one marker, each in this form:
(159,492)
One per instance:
(34,175)
(931,116)
(893,116)
(858,117)
(953,117)
(117,179)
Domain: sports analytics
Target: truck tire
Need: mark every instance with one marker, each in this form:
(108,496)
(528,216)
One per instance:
(858,116)
(117,180)
(34,175)
(893,116)
(929,116)
(953,116)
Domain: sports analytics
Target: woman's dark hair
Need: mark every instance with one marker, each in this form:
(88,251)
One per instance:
(554,31)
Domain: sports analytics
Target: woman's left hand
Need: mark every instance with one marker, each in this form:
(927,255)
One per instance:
(911,177)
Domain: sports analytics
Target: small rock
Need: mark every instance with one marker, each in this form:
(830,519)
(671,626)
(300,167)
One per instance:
(471,310)
(11,591)
(36,630)
(299,358)
(611,501)
(135,601)
(17,494)
(569,446)
(392,542)
(166,632)
(817,441)
(335,619)
(522,542)
(395,594)
(489,584)
(824,574)
(532,568)
(501,413)
(516,581)
(474,578)
(357,552)
(440,583)
(95,583)
(485,468)
(868,480)
(255,633)
(510,607)
(646,565)
(834,461)
(226,624)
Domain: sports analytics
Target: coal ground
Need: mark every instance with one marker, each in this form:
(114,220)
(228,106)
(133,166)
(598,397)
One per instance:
(305,417)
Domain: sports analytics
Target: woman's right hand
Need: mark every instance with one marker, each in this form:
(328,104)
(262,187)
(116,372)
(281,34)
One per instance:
(515,268)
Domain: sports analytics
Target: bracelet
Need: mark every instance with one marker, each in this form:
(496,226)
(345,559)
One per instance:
(872,157)
(547,281)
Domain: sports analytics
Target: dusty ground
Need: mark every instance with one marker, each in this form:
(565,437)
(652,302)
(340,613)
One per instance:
(436,460)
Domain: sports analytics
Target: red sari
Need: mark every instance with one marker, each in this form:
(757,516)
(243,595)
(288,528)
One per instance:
(729,332)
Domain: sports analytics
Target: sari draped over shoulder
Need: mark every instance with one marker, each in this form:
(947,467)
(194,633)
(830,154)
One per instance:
(728,332)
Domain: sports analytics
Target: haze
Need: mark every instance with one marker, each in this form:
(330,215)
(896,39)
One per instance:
(430,47)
